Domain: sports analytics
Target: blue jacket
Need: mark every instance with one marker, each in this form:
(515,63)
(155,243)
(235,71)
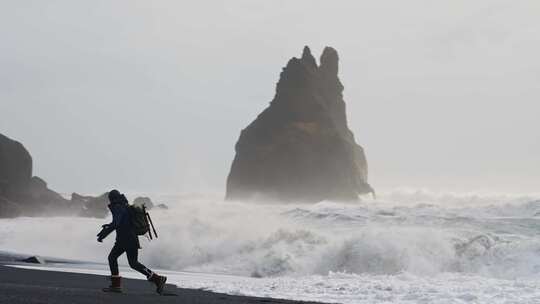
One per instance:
(121,222)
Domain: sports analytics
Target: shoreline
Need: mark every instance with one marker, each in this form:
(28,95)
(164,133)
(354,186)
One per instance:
(23,286)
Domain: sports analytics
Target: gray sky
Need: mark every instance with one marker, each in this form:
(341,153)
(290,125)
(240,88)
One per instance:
(151,95)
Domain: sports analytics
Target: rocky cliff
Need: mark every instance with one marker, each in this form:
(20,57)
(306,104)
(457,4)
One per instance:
(22,194)
(15,164)
(300,147)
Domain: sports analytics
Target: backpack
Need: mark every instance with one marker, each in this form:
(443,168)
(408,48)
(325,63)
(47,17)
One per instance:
(141,221)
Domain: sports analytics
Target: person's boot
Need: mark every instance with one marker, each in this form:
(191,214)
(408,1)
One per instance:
(159,281)
(116,285)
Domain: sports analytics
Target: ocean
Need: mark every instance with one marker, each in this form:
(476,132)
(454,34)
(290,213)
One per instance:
(405,246)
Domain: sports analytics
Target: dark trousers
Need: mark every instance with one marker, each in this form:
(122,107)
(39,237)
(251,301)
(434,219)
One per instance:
(132,254)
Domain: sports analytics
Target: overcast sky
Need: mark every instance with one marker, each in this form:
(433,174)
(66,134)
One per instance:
(151,96)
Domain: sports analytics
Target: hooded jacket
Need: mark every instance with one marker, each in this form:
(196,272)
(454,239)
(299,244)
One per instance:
(121,222)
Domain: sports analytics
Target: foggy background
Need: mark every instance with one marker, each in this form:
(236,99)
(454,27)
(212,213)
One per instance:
(150,96)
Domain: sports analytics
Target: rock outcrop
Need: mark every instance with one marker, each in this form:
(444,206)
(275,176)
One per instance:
(15,165)
(9,209)
(92,206)
(20,192)
(300,147)
(162,206)
(98,206)
(143,200)
(34,260)
(148,203)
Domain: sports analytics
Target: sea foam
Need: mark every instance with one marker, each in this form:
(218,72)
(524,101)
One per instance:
(403,235)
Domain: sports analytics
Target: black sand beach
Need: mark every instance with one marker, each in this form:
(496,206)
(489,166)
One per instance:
(23,286)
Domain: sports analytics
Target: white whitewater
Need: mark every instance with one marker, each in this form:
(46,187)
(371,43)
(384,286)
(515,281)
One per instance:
(405,247)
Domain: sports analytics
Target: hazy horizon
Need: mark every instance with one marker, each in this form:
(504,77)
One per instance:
(151,97)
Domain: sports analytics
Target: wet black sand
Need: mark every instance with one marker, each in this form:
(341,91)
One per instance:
(23,286)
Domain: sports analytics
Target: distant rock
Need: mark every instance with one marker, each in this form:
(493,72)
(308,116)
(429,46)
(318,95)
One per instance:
(77,198)
(162,206)
(9,209)
(38,191)
(15,165)
(22,194)
(34,260)
(35,198)
(147,202)
(300,147)
(92,206)
(143,200)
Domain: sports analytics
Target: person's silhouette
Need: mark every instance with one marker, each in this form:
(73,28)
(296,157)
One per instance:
(126,241)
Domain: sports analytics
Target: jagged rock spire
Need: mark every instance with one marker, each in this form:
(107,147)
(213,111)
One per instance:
(300,148)
(308,59)
(329,61)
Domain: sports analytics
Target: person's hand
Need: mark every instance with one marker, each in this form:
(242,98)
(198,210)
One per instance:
(100,240)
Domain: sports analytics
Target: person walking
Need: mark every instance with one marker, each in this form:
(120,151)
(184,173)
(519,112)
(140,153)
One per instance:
(126,241)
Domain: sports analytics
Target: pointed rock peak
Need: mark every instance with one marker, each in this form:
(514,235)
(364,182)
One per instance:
(308,58)
(329,61)
(329,55)
(303,134)
(306,52)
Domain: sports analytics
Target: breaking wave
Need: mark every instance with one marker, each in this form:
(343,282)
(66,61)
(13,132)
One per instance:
(416,232)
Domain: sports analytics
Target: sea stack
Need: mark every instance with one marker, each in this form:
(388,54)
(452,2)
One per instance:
(300,148)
